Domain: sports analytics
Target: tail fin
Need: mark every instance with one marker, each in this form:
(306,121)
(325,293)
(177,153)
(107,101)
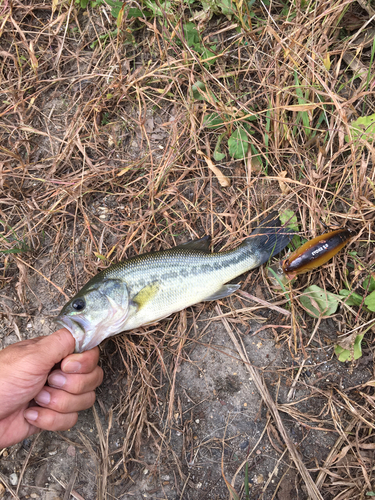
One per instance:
(269,237)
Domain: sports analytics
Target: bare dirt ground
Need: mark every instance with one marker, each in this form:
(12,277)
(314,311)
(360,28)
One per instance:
(103,155)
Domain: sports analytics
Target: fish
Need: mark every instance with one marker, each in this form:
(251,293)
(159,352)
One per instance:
(316,252)
(149,287)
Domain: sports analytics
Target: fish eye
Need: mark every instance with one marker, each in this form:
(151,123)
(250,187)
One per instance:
(79,304)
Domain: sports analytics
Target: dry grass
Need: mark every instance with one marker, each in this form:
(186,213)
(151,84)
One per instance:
(100,134)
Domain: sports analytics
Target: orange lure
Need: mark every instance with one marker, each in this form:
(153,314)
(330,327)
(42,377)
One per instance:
(316,252)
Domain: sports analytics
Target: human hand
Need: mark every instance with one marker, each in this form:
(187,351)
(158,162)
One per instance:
(27,404)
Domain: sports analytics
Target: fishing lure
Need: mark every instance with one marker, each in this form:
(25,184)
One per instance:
(316,252)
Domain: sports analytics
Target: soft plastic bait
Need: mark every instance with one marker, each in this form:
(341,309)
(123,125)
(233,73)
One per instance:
(316,252)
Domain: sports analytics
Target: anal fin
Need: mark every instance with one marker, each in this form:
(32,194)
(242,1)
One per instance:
(224,291)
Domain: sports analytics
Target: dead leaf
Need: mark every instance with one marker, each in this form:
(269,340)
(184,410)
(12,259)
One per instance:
(149,124)
(34,60)
(224,181)
(123,171)
(348,342)
(342,454)
(22,281)
(285,189)
(302,107)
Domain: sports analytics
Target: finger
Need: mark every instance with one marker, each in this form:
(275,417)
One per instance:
(84,362)
(64,402)
(76,383)
(50,420)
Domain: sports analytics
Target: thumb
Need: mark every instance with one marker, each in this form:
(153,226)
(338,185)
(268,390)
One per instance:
(55,347)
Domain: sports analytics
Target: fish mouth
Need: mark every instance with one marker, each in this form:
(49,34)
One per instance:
(76,327)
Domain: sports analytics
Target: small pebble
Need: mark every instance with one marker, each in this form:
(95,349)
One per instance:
(71,451)
(13,478)
(244,444)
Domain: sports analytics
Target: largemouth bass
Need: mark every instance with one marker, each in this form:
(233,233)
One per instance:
(149,287)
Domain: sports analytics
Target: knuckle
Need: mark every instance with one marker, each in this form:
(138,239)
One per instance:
(59,402)
(48,419)
(54,421)
(77,385)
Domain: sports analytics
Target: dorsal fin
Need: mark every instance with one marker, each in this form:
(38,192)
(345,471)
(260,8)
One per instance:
(203,244)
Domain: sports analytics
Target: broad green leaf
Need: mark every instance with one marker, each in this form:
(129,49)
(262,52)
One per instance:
(191,35)
(289,216)
(218,155)
(370,301)
(251,118)
(363,128)
(158,11)
(370,494)
(116,7)
(247,127)
(207,53)
(225,7)
(354,299)
(344,354)
(134,12)
(319,303)
(213,120)
(198,95)
(238,144)
(371,287)
(257,159)
(358,346)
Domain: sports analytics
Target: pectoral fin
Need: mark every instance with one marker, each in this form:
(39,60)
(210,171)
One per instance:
(224,291)
(146,294)
(203,244)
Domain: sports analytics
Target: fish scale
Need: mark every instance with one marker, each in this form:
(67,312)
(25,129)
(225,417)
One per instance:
(184,277)
(150,287)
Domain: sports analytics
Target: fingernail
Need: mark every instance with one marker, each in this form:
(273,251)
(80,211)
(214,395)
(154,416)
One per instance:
(31,415)
(44,397)
(72,367)
(56,380)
